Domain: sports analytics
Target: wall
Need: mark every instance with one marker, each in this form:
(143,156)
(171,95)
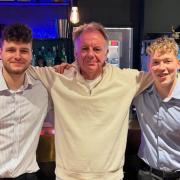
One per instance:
(160,15)
(110,13)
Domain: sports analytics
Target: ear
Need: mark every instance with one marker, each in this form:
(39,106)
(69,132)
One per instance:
(107,51)
(75,54)
(0,54)
(148,63)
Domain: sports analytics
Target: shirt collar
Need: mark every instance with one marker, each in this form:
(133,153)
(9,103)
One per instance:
(175,93)
(3,85)
(28,83)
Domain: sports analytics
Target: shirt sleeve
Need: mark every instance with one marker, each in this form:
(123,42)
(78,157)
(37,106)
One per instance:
(50,115)
(46,75)
(143,81)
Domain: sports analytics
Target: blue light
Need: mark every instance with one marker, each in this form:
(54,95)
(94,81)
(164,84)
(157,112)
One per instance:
(40,15)
(35,3)
(45,32)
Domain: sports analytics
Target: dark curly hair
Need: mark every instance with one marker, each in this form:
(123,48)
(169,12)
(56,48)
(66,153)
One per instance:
(17,32)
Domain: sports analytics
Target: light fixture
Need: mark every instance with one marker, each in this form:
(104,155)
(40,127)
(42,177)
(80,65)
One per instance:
(74,15)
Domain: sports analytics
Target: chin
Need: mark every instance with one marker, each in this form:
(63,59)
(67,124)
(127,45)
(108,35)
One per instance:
(18,70)
(93,69)
(166,83)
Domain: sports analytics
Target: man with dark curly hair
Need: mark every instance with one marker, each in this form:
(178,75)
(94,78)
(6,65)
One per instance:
(23,106)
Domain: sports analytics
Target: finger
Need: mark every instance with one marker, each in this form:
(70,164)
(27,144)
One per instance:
(61,70)
(56,68)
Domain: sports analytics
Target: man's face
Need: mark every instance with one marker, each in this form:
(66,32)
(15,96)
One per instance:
(16,57)
(164,68)
(91,52)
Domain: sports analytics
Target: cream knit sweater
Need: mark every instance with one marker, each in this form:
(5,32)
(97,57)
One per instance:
(91,125)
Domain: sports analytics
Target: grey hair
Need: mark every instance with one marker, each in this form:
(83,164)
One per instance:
(89,27)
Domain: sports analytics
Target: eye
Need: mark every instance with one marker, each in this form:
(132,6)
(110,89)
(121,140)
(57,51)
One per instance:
(24,51)
(84,48)
(167,61)
(97,49)
(155,63)
(10,50)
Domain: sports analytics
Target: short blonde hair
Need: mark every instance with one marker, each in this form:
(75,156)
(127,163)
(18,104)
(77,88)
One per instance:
(93,26)
(163,45)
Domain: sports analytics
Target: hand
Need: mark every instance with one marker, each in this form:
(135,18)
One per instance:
(60,68)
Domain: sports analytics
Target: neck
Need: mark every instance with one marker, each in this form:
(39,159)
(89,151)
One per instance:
(14,81)
(166,91)
(90,76)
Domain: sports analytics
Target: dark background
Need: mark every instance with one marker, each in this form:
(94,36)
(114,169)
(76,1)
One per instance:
(145,16)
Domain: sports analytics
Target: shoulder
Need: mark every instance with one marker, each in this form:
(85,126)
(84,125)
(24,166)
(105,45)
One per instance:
(36,84)
(144,94)
(126,71)
(129,74)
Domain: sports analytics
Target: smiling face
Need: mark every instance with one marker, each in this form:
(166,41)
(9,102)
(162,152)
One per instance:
(16,57)
(163,67)
(91,53)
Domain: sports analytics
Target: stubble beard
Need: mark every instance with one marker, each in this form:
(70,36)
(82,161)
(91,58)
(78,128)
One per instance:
(18,71)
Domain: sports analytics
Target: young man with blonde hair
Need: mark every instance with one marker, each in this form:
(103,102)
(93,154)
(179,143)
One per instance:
(158,110)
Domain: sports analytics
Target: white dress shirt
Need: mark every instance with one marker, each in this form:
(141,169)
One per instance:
(21,117)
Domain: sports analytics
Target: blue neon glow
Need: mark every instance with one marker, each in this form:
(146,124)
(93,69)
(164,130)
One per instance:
(44,33)
(42,20)
(34,3)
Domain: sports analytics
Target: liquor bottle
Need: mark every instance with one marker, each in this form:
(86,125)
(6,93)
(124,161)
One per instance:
(49,58)
(54,53)
(40,58)
(43,53)
(33,62)
(57,59)
(63,55)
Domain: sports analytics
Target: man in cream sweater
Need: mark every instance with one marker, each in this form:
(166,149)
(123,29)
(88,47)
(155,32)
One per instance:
(91,104)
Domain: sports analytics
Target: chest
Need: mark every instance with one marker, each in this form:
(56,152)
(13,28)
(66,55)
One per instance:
(21,107)
(162,115)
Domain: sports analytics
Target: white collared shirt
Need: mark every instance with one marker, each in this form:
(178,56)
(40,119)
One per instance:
(21,117)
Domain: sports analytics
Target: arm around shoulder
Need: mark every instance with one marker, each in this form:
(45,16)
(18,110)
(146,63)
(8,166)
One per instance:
(45,74)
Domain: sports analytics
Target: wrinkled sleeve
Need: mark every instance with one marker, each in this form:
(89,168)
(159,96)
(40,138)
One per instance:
(139,80)
(45,74)
(143,81)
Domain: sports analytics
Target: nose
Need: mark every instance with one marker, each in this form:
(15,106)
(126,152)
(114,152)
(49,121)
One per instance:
(90,53)
(17,55)
(162,65)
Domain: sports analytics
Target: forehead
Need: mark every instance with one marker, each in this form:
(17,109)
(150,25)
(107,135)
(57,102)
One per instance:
(17,44)
(158,54)
(91,36)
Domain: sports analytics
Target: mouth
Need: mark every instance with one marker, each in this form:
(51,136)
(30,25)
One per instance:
(18,63)
(92,64)
(162,76)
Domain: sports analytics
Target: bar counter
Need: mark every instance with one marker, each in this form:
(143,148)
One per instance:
(46,154)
